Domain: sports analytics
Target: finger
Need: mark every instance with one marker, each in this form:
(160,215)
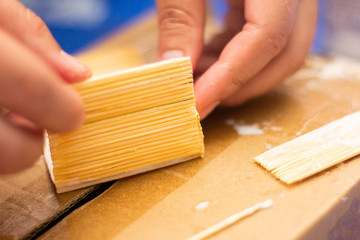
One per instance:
(234,22)
(235,17)
(31,89)
(181,27)
(2,111)
(19,148)
(21,122)
(287,62)
(268,24)
(33,32)
(205,61)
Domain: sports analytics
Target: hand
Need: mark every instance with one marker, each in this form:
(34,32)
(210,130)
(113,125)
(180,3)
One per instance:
(34,89)
(263,42)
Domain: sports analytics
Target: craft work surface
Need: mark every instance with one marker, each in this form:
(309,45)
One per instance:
(180,201)
(170,202)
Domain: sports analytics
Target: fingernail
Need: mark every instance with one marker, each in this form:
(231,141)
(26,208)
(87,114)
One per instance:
(172,54)
(82,71)
(207,110)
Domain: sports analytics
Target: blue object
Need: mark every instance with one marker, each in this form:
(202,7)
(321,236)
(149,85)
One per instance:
(318,47)
(75,23)
(338,32)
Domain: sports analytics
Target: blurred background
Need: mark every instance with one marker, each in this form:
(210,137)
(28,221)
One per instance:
(76,23)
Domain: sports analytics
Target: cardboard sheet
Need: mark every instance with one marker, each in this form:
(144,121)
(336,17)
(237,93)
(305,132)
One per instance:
(163,204)
(28,201)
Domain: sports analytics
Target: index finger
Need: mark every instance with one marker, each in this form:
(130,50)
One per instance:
(268,24)
(29,87)
(181,27)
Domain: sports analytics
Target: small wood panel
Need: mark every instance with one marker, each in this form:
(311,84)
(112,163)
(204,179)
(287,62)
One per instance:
(162,204)
(315,151)
(137,120)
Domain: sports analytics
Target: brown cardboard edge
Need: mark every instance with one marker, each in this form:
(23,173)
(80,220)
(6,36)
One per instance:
(81,199)
(337,219)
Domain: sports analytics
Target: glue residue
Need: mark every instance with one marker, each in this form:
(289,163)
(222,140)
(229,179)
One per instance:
(332,71)
(340,68)
(268,145)
(202,206)
(251,129)
(275,128)
(282,194)
(244,129)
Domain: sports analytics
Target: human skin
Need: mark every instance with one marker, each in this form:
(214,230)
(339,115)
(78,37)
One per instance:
(35,93)
(263,42)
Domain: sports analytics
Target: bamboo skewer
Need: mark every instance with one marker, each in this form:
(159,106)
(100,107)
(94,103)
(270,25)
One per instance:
(231,220)
(315,151)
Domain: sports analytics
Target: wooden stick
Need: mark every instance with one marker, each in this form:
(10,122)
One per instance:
(315,151)
(137,120)
(231,220)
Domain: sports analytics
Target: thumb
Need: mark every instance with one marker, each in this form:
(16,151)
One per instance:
(181,28)
(26,26)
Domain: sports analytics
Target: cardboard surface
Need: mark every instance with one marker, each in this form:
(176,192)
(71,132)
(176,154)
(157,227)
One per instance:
(162,204)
